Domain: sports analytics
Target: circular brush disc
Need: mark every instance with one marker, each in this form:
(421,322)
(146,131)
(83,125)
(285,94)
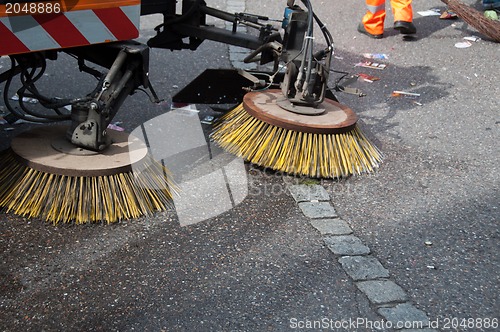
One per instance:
(324,145)
(336,118)
(45,149)
(43,175)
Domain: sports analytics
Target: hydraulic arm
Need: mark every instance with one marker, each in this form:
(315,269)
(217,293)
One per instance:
(288,45)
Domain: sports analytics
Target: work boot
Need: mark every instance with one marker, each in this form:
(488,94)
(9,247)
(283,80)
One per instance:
(361,29)
(406,28)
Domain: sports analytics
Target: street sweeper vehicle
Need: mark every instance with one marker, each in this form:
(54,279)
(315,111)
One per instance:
(76,169)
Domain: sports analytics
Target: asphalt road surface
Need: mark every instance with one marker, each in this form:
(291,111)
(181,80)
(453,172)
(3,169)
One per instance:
(430,214)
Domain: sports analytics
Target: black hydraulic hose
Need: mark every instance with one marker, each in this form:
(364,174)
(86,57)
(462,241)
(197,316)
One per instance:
(45,101)
(324,29)
(28,81)
(33,117)
(268,46)
(9,106)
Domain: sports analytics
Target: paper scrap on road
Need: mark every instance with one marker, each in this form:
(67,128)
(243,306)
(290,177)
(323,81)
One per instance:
(463,44)
(472,38)
(376,56)
(372,65)
(430,12)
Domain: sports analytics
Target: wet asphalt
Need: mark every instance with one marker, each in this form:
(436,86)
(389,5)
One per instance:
(430,214)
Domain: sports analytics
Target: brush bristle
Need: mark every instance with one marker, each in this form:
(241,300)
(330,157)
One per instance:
(58,198)
(297,153)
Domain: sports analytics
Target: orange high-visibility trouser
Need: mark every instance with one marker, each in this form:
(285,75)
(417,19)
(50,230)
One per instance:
(375,15)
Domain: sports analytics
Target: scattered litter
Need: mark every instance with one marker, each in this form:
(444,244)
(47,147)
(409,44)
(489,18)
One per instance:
(68,107)
(338,57)
(115,126)
(464,44)
(448,15)
(376,56)
(368,78)
(428,243)
(175,86)
(397,93)
(208,119)
(432,267)
(472,38)
(430,12)
(417,103)
(372,65)
(25,99)
(352,91)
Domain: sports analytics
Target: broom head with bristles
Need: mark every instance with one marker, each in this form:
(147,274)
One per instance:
(329,145)
(488,27)
(38,180)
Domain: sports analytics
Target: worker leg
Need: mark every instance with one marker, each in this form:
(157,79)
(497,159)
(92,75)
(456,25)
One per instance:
(374,17)
(402,10)
(403,16)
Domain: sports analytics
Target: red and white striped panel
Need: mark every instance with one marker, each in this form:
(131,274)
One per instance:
(92,23)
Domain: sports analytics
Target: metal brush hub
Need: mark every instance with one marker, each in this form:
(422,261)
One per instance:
(336,118)
(299,109)
(45,149)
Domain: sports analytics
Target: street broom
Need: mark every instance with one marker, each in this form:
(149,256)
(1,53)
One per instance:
(327,145)
(44,176)
(488,27)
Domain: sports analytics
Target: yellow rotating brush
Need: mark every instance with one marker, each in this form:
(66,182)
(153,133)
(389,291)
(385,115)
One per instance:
(43,175)
(328,145)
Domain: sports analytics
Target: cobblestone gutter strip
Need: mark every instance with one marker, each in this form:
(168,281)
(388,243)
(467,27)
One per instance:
(369,275)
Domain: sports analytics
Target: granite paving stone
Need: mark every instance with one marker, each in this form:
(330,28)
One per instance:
(318,210)
(307,193)
(382,291)
(346,245)
(335,226)
(363,267)
(405,312)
